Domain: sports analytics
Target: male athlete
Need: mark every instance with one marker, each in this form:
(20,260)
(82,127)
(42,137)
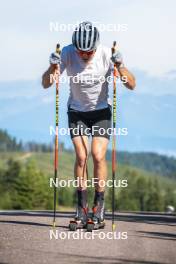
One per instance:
(86,61)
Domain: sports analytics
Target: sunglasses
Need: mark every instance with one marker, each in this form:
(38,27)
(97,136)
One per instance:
(88,53)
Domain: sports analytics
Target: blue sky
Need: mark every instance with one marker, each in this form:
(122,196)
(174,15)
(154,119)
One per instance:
(148,47)
(26,39)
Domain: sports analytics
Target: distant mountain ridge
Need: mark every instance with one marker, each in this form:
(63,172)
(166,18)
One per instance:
(148,161)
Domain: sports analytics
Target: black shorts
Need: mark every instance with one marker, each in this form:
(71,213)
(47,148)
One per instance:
(95,123)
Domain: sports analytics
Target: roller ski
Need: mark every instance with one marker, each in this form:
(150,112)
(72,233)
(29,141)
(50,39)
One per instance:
(80,220)
(97,220)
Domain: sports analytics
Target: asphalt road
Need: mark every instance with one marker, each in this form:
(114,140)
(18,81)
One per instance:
(138,238)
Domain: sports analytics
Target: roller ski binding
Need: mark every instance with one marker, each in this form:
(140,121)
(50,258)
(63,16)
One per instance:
(97,220)
(80,220)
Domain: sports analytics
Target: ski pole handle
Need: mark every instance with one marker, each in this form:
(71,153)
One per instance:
(58,50)
(114,47)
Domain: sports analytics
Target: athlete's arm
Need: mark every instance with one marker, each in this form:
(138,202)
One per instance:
(127,78)
(47,81)
(52,74)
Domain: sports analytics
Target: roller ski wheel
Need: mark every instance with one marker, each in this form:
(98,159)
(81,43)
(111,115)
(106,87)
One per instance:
(80,220)
(94,225)
(97,220)
(74,225)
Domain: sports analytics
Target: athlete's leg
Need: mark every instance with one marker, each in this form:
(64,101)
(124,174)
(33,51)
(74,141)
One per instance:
(81,149)
(98,149)
(81,145)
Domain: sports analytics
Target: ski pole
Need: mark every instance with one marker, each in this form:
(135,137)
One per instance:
(56,149)
(114,138)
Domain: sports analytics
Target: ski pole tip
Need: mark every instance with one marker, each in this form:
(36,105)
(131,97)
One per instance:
(113,227)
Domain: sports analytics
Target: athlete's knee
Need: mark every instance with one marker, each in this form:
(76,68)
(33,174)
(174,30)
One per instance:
(81,160)
(98,157)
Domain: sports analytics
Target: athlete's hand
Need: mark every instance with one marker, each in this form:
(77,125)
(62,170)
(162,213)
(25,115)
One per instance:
(55,58)
(117,58)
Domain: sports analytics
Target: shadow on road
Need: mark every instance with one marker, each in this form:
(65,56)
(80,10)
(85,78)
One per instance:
(158,235)
(103,259)
(147,218)
(30,223)
(158,219)
(36,213)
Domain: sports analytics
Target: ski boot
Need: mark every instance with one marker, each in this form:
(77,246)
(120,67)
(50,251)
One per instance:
(97,220)
(80,220)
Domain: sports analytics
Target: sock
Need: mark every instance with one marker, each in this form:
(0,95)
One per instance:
(82,198)
(99,197)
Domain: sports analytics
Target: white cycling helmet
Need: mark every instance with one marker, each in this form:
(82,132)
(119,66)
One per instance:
(86,37)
